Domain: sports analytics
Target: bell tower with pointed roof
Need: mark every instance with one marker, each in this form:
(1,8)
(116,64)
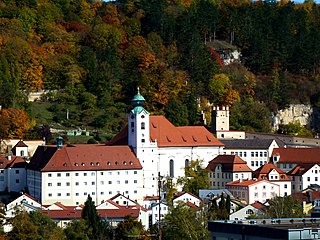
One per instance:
(138,124)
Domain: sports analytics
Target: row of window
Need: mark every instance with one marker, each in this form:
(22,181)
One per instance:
(256,163)
(253,154)
(92,183)
(86,174)
(143,125)
(86,193)
(315,179)
(17,171)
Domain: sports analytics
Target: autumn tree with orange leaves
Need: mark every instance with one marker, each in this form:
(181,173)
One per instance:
(14,123)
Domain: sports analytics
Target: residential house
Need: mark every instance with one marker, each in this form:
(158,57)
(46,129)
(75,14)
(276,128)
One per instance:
(164,210)
(110,210)
(256,208)
(253,190)
(303,175)
(23,203)
(187,197)
(115,209)
(275,175)
(227,168)
(68,174)
(255,152)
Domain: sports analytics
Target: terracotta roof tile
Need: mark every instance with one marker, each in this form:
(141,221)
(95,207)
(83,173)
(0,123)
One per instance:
(229,163)
(258,205)
(243,183)
(15,162)
(167,135)
(298,155)
(84,157)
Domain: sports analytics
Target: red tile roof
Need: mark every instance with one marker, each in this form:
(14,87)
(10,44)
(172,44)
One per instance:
(168,135)
(72,212)
(258,205)
(243,183)
(15,162)
(300,169)
(84,157)
(263,171)
(229,163)
(298,155)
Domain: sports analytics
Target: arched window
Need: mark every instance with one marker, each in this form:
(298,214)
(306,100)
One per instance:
(143,125)
(186,162)
(249,211)
(22,153)
(171,168)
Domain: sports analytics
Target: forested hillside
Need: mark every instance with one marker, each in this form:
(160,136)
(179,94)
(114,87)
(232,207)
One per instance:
(95,54)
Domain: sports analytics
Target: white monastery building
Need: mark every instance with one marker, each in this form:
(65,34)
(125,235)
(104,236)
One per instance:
(68,174)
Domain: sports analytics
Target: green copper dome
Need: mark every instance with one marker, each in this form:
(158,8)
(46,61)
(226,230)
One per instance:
(137,100)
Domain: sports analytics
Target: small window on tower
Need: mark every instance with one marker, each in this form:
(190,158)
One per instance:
(132,124)
(142,116)
(143,125)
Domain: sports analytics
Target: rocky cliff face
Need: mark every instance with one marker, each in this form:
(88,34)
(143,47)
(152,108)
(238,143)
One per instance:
(294,113)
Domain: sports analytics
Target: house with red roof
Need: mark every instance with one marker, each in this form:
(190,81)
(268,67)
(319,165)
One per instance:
(288,158)
(162,147)
(227,168)
(187,197)
(304,175)
(253,190)
(256,208)
(23,203)
(273,174)
(69,173)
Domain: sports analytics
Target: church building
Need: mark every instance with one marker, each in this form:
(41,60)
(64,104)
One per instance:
(162,147)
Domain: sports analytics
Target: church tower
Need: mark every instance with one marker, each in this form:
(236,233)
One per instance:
(138,124)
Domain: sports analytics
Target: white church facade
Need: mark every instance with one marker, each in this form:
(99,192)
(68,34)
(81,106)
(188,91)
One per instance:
(162,147)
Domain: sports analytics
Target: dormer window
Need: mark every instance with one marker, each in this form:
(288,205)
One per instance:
(116,163)
(124,163)
(109,163)
(92,164)
(83,164)
(76,164)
